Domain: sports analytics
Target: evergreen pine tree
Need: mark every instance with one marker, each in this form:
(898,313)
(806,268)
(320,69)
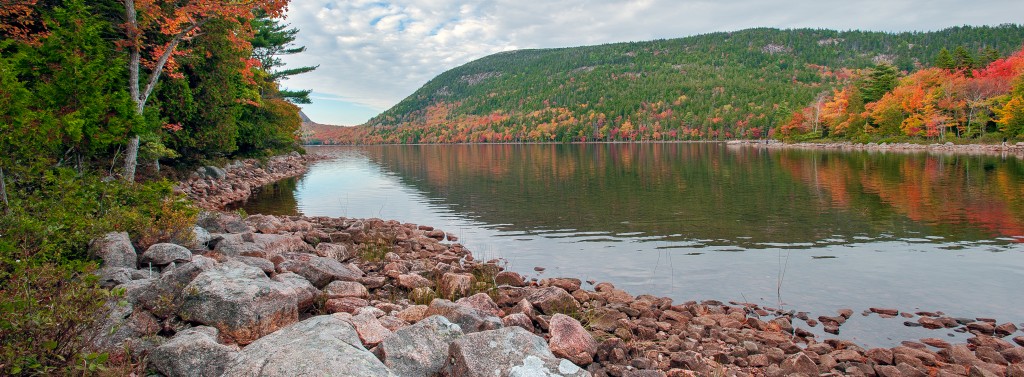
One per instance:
(944,60)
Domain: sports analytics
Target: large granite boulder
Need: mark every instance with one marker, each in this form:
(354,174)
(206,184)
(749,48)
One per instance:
(261,245)
(318,270)
(193,352)
(320,346)
(162,254)
(510,351)
(468,318)
(420,349)
(115,249)
(240,301)
(162,295)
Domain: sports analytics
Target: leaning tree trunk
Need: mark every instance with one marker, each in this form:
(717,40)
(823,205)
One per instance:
(3,193)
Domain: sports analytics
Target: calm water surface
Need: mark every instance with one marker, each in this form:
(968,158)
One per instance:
(810,230)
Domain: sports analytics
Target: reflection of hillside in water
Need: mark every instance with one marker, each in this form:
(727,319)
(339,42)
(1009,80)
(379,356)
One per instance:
(725,195)
(277,198)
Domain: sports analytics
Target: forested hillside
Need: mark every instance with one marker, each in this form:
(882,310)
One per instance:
(723,85)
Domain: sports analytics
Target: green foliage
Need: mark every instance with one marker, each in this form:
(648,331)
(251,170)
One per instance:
(272,40)
(880,80)
(48,311)
(50,297)
(945,59)
(65,102)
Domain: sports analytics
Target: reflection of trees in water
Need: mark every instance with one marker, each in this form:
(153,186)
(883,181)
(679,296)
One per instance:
(711,191)
(277,198)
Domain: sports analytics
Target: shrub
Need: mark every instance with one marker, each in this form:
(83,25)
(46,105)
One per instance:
(47,312)
(51,298)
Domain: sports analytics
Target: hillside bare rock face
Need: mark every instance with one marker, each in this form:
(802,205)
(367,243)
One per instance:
(469,319)
(510,351)
(261,245)
(420,349)
(162,254)
(319,346)
(115,249)
(193,352)
(571,341)
(240,301)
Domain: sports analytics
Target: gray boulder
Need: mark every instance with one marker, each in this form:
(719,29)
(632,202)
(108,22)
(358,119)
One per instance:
(258,262)
(115,249)
(122,324)
(162,254)
(114,276)
(420,349)
(240,301)
(193,352)
(213,172)
(318,270)
(306,293)
(510,351)
(468,318)
(319,346)
(261,245)
(335,251)
(162,296)
(219,222)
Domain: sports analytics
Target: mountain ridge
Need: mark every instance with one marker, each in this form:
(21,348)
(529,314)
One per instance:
(718,85)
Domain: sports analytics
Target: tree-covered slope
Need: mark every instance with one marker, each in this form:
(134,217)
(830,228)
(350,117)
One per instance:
(720,85)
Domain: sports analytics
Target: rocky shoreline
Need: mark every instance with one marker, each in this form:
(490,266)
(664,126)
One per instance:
(295,295)
(1005,149)
(213,188)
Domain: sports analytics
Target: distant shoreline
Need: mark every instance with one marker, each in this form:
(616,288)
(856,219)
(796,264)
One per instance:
(1014,149)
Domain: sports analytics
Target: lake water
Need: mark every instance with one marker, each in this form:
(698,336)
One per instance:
(812,231)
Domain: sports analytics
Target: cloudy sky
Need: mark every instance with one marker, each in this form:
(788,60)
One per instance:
(373,54)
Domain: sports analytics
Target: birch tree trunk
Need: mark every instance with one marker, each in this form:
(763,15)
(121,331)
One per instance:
(140,97)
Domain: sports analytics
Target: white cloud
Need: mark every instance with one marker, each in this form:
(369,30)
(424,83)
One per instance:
(374,53)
